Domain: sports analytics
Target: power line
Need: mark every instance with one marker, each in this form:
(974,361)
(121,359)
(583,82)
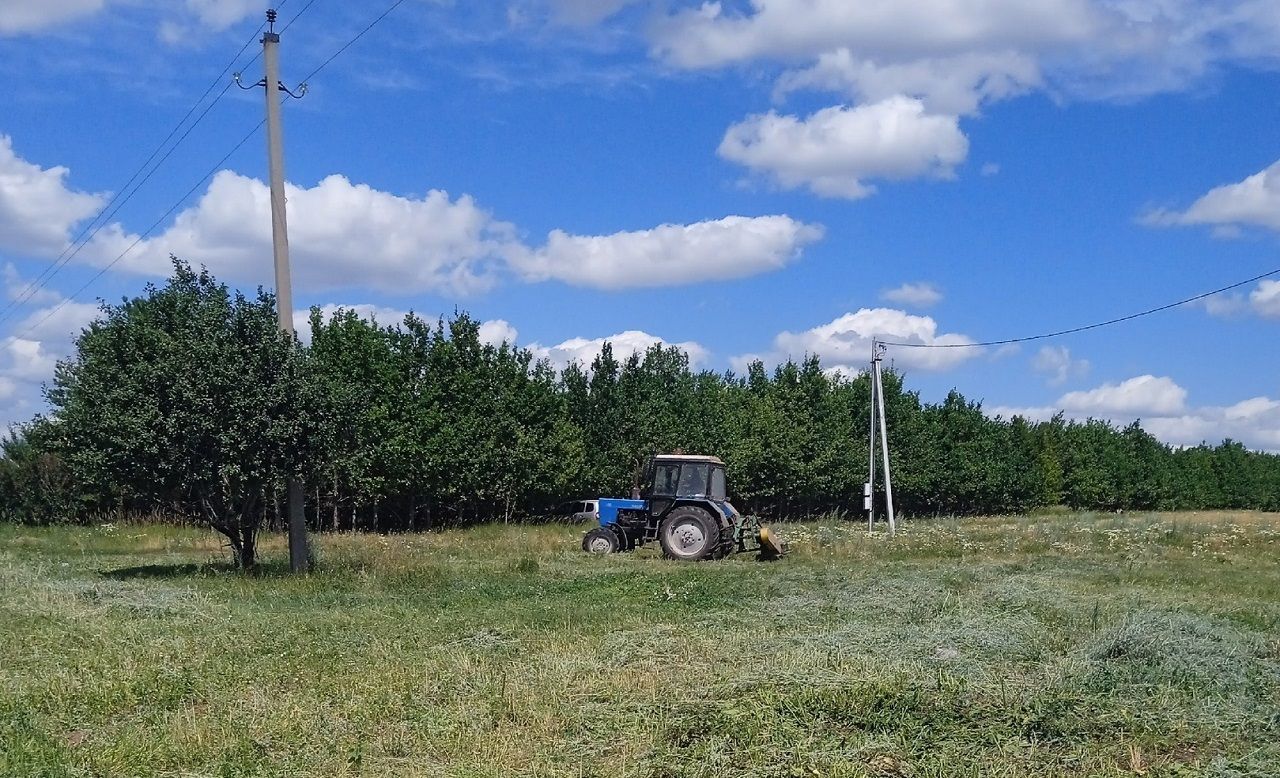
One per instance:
(1094,326)
(349,43)
(213,170)
(99,221)
(296,16)
(142,236)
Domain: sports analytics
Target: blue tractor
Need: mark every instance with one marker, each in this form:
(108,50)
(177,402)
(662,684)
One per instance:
(684,506)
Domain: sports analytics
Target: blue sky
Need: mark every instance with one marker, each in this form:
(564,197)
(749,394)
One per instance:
(754,179)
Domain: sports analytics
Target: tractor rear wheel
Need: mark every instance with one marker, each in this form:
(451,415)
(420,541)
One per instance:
(689,534)
(601,540)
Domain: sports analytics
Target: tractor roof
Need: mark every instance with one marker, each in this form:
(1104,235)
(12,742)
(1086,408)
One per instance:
(689,458)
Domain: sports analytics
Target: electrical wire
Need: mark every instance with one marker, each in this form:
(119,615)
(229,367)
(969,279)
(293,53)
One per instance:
(1086,327)
(104,215)
(142,236)
(212,171)
(296,16)
(349,43)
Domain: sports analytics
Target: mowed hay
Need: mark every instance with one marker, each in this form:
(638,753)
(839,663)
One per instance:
(1038,646)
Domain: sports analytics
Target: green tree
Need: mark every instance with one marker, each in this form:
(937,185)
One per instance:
(190,396)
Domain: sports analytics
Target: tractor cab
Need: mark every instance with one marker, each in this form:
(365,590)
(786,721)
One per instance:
(671,478)
(683,504)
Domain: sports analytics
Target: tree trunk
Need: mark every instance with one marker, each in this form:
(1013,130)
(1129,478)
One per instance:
(335,501)
(248,554)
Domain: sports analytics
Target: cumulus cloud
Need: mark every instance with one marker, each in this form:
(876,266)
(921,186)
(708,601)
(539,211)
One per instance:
(1263,300)
(37,208)
(921,295)
(671,254)
(344,235)
(584,350)
(1147,394)
(27,359)
(24,16)
(968,52)
(16,287)
(845,343)
(221,14)
(498,331)
(1161,405)
(711,36)
(58,324)
(1057,364)
(955,86)
(1253,202)
(341,235)
(835,151)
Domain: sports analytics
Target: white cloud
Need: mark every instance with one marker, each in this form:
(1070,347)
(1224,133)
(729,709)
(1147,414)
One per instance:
(341,235)
(1263,301)
(990,169)
(954,86)
(834,151)
(671,254)
(1056,363)
(58,325)
(1253,202)
(1266,299)
(1144,395)
(961,53)
(20,16)
(498,331)
(221,14)
(584,350)
(921,295)
(37,209)
(1254,422)
(846,342)
(789,29)
(15,287)
(344,235)
(28,358)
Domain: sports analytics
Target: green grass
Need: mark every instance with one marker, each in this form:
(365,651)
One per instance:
(1041,646)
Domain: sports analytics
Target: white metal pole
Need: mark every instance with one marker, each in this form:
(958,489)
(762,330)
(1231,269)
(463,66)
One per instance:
(884,446)
(299,554)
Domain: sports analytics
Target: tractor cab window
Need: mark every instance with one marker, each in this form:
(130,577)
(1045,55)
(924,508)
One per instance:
(693,479)
(665,480)
(717,485)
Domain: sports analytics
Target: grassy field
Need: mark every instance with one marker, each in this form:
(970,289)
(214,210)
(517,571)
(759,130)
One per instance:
(1039,646)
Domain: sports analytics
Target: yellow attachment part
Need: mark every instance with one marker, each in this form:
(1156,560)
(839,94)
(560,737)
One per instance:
(770,543)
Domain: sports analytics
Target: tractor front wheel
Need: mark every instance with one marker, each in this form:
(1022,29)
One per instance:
(689,534)
(601,540)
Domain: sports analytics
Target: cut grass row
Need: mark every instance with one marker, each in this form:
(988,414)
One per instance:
(1065,645)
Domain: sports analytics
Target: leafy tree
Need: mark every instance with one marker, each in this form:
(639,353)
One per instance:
(188,395)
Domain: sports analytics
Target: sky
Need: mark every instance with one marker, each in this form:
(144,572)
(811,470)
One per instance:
(746,179)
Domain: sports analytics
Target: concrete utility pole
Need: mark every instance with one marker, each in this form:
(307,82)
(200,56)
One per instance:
(869,488)
(884,434)
(299,552)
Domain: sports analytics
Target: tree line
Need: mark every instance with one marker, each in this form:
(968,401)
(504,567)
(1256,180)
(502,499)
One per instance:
(188,402)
